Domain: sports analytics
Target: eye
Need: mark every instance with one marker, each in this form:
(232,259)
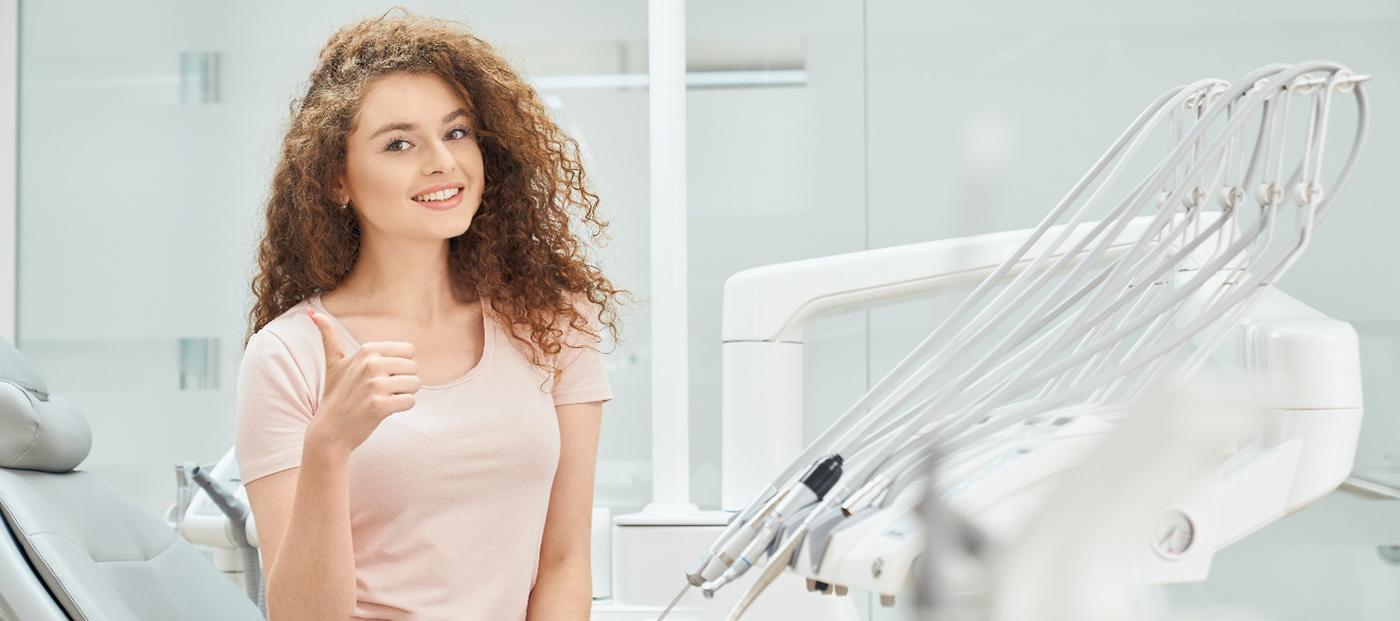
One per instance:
(390,147)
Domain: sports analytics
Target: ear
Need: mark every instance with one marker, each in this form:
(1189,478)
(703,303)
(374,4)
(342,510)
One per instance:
(338,191)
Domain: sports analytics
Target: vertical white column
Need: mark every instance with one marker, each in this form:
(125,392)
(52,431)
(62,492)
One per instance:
(9,168)
(670,419)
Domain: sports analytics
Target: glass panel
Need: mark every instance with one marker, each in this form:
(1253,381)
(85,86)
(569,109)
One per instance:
(776,167)
(776,173)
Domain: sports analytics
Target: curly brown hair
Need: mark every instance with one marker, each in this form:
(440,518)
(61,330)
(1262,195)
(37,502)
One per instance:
(519,252)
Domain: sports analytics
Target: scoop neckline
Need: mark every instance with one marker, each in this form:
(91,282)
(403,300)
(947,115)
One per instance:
(487,346)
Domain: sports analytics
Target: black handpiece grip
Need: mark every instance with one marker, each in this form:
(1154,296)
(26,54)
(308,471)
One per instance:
(820,478)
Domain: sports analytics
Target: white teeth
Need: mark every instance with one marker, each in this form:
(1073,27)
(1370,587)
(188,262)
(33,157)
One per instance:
(437,196)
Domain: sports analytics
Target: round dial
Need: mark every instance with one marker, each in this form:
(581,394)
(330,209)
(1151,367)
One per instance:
(1174,535)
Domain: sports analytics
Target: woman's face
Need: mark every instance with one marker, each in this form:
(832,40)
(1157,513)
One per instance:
(413,136)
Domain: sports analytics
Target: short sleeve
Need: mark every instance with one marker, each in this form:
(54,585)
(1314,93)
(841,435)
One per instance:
(272,408)
(583,378)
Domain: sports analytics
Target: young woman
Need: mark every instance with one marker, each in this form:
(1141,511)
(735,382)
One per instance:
(420,394)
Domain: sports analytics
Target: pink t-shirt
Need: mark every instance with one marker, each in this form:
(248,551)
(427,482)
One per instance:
(447,499)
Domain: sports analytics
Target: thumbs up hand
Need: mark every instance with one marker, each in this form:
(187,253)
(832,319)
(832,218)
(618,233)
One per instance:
(362,389)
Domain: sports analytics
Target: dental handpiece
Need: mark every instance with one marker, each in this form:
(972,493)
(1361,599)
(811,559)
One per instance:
(723,550)
(741,530)
(783,556)
(736,537)
(818,480)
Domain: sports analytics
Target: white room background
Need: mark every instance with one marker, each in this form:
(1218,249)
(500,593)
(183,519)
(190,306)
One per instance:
(148,131)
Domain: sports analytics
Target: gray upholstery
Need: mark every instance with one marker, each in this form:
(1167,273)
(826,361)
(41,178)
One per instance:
(38,431)
(74,548)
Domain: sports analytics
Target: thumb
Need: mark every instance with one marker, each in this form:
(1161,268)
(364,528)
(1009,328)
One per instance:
(329,339)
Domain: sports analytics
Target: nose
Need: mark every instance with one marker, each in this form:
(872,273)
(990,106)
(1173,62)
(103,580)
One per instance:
(439,158)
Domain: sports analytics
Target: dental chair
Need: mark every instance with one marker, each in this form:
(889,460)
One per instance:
(74,547)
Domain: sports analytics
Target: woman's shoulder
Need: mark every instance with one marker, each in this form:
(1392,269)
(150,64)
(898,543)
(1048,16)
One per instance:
(290,333)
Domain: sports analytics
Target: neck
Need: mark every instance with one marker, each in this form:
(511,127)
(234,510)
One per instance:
(408,279)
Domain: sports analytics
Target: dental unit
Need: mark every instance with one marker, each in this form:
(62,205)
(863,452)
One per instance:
(1072,323)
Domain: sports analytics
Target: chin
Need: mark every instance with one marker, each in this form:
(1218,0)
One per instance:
(456,231)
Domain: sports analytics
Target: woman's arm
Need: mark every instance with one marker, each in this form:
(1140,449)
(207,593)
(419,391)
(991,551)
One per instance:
(564,587)
(303,518)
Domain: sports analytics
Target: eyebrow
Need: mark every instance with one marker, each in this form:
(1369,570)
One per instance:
(459,112)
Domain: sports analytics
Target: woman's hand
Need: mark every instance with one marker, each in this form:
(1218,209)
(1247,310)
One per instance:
(361,390)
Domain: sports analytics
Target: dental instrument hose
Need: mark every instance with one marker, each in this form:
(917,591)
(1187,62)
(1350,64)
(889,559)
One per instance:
(735,556)
(237,513)
(723,549)
(816,482)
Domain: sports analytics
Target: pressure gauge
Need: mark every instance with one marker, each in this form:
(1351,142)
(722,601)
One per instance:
(1174,535)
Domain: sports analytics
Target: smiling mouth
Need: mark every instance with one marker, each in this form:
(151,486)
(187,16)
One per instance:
(438,197)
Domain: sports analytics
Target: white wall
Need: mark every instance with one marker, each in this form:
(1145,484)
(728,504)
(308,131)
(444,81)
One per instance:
(9,126)
(917,121)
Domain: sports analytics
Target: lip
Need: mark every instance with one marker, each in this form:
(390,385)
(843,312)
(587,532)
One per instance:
(437,188)
(441,205)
